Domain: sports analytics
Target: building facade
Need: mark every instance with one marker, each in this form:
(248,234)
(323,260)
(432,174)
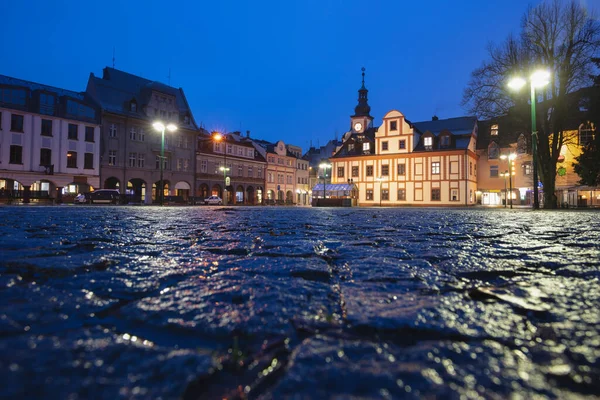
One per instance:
(232,163)
(130,158)
(400,163)
(49,142)
(282,171)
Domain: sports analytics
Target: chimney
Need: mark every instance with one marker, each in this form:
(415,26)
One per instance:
(434,118)
(248,134)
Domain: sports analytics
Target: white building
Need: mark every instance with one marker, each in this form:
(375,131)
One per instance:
(49,142)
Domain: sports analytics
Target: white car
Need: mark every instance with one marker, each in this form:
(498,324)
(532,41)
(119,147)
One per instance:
(213,200)
(81,198)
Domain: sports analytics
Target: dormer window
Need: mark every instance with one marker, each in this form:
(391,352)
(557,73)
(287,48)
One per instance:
(493,151)
(186,119)
(521,144)
(133,106)
(494,130)
(428,142)
(445,141)
(366,146)
(393,125)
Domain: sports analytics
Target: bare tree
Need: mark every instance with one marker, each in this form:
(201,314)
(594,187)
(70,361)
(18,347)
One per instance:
(562,38)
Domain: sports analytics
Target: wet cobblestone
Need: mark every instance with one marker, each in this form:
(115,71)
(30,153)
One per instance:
(270,303)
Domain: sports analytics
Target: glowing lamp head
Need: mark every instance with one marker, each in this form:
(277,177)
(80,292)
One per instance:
(540,78)
(512,156)
(324,165)
(171,128)
(217,136)
(516,83)
(159,126)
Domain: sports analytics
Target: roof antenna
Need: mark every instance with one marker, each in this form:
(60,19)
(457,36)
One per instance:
(169,76)
(113,57)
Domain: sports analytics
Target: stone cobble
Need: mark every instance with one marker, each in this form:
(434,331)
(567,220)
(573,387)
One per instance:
(269,303)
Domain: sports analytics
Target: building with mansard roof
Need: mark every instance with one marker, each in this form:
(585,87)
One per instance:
(401,163)
(49,142)
(130,151)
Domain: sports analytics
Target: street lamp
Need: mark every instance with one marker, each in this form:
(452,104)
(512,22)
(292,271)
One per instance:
(504,175)
(537,80)
(159,126)
(324,166)
(218,138)
(510,159)
(380,179)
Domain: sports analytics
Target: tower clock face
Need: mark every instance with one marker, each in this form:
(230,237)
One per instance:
(358,127)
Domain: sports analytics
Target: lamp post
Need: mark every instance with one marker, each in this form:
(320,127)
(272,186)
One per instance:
(510,159)
(537,80)
(324,166)
(380,179)
(505,174)
(218,138)
(159,126)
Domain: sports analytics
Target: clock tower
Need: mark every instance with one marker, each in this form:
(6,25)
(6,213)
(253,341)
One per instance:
(361,120)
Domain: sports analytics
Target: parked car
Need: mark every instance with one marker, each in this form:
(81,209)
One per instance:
(213,200)
(107,196)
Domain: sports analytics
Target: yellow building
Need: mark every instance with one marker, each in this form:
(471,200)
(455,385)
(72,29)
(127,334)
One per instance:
(400,163)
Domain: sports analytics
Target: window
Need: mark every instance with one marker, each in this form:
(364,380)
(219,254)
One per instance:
(112,157)
(47,104)
(89,134)
(13,96)
(203,166)
(179,164)
(385,194)
(435,168)
(16,123)
(88,161)
(493,151)
(354,172)
(385,170)
(186,142)
(132,106)
(259,173)
(527,168)
(366,146)
(132,159)
(141,135)
(384,145)
(494,130)
(16,155)
(165,162)
(435,195)
(454,195)
(470,168)
(350,147)
(229,149)
(401,194)
(46,127)
(112,131)
(132,133)
(428,142)
(369,170)
(250,172)
(586,134)
(340,172)
(521,144)
(393,125)
(280,178)
(493,171)
(369,194)
(270,177)
(71,159)
(445,141)
(240,170)
(402,144)
(72,132)
(45,157)
(402,169)
(141,160)
(289,179)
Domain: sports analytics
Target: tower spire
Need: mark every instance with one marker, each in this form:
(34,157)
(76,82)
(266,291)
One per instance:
(362,109)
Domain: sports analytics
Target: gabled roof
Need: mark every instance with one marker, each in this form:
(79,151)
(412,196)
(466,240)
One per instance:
(117,88)
(458,125)
(357,140)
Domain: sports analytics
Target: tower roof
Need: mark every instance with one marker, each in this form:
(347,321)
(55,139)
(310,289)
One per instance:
(362,109)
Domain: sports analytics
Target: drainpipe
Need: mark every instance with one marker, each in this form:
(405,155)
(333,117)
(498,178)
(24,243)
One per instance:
(466,177)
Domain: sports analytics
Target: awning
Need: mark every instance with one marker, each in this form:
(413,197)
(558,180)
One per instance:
(333,187)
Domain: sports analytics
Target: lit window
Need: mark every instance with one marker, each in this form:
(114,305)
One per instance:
(494,130)
(435,168)
(366,146)
(428,142)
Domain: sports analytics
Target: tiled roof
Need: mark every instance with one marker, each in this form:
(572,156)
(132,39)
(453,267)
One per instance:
(458,125)
(117,88)
(7,80)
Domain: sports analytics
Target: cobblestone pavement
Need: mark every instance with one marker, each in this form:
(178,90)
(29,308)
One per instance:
(270,303)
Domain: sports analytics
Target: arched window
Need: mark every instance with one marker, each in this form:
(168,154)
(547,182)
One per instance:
(586,133)
(493,151)
(521,144)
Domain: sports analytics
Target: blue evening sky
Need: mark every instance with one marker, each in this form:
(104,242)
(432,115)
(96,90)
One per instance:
(282,69)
